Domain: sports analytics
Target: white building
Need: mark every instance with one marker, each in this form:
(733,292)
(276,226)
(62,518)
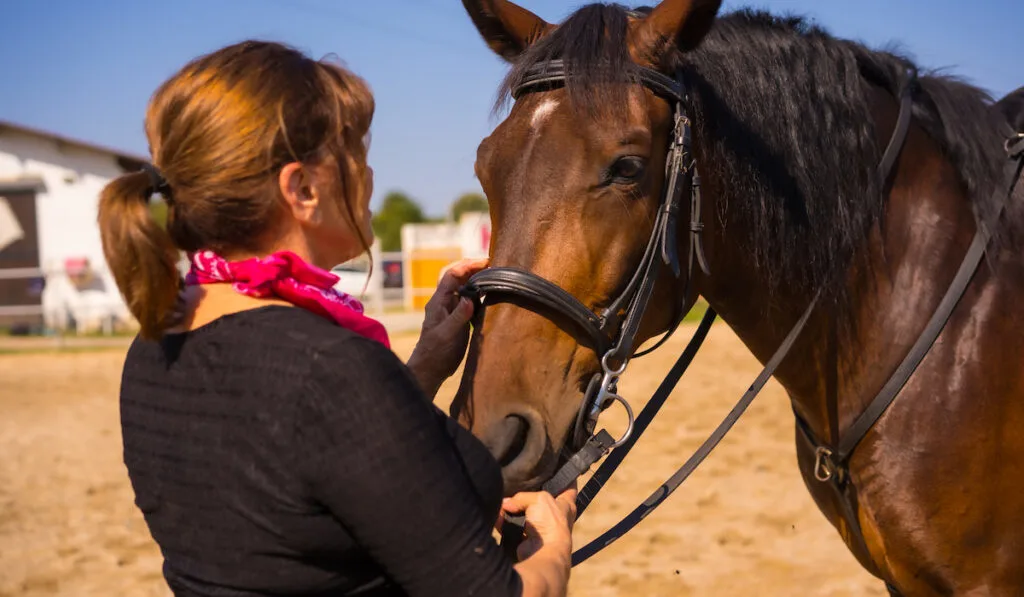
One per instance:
(52,268)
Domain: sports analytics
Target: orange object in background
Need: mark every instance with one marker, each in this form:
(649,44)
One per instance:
(425,267)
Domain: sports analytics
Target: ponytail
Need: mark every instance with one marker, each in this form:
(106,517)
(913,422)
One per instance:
(140,252)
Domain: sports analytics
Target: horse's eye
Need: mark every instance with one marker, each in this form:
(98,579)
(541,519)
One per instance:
(627,170)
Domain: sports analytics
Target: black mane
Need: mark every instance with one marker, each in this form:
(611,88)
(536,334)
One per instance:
(592,42)
(782,113)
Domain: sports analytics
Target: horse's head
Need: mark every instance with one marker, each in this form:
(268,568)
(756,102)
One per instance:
(574,177)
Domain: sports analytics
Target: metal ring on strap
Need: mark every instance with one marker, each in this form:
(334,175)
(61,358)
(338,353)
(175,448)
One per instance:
(608,369)
(629,426)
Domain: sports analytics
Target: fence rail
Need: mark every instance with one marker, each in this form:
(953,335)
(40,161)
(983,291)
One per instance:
(21,273)
(54,302)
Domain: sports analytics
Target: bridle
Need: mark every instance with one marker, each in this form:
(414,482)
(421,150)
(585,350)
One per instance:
(612,332)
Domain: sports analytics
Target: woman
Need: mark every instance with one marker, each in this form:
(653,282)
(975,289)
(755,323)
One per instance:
(275,444)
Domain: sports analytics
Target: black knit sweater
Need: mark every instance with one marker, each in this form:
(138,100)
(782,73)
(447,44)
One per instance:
(274,453)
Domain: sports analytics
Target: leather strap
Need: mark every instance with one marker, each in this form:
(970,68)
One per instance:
(837,463)
(846,495)
(611,338)
(646,416)
(553,73)
(947,305)
(899,134)
(885,170)
(513,526)
(673,483)
(637,295)
(697,228)
(503,283)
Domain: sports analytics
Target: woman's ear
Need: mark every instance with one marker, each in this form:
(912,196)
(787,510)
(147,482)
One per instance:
(299,190)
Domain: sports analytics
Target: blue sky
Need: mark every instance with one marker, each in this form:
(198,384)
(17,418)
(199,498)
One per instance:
(86,69)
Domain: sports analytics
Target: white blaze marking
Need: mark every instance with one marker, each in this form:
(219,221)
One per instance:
(543,111)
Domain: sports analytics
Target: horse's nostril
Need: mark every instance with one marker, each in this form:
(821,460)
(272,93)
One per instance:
(519,437)
(518,442)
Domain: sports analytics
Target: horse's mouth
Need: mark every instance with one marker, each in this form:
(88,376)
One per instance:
(527,435)
(536,482)
(549,464)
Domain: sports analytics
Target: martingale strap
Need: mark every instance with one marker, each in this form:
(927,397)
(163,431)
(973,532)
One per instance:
(836,459)
(832,460)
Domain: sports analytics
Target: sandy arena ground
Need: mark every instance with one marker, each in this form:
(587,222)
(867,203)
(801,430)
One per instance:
(742,525)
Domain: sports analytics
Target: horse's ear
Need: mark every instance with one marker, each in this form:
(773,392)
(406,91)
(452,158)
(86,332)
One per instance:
(507,28)
(682,23)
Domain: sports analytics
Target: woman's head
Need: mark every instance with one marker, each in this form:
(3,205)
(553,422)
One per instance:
(263,149)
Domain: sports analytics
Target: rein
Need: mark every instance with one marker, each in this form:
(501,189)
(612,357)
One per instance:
(612,332)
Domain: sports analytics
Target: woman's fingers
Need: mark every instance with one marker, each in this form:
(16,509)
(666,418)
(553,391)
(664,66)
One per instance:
(519,503)
(460,272)
(567,501)
(455,277)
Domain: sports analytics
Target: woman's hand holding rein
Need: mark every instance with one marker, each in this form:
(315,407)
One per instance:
(546,553)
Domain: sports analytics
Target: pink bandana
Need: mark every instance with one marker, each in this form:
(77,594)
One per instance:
(286,276)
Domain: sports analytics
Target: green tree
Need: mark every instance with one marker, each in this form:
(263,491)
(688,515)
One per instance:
(470,202)
(395,211)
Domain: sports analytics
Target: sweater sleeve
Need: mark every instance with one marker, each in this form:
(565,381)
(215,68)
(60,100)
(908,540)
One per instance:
(377,456)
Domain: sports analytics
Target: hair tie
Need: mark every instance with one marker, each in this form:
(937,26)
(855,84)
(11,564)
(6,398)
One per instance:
(157,182)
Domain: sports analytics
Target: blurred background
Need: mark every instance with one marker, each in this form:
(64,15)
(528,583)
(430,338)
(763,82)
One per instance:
(75,79)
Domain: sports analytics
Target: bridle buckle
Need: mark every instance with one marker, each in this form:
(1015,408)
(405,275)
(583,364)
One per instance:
(682,129)
(824,467)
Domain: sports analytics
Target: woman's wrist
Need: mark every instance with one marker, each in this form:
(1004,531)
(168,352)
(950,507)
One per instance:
(545,573)
(425,373)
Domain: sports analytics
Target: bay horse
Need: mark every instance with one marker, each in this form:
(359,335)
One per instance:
(789,125)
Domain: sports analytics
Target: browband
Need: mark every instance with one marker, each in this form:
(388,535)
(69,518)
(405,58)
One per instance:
(553,73)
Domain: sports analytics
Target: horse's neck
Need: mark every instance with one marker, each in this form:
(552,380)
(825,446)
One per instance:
(893,288)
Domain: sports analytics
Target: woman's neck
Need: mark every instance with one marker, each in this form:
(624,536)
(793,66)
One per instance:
(203,305)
